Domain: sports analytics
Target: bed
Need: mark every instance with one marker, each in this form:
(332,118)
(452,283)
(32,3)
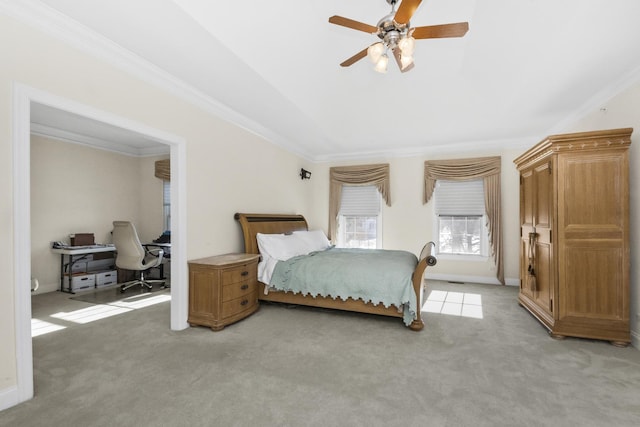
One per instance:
(255,226)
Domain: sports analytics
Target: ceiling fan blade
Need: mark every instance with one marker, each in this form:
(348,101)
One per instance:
(350,23)
(398,55)
(355,58)
(458,29)
(406,10)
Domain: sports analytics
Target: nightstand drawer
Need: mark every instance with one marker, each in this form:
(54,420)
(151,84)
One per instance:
(247,271)
(236,290)
(238,305)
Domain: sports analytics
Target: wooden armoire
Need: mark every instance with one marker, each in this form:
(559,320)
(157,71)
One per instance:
(574,226)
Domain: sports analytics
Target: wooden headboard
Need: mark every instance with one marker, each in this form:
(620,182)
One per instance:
(253,224)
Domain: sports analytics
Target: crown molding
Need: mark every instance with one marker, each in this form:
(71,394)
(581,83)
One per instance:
(480,146)
(60,26)
(597,101)
(98,143)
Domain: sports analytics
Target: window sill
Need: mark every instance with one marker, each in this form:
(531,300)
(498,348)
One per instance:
(466,258)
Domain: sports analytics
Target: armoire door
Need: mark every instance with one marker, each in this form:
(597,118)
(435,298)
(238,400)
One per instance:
(527,197)
(536,210)
(592,222)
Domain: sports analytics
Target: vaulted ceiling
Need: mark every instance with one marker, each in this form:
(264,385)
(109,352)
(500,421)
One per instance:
(524,70)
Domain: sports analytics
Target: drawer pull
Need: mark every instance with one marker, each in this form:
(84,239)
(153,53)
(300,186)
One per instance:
(245,286)
(244,302)
(245,273)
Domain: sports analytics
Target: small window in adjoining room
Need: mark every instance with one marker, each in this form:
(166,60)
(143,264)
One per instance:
(360,218)
(166,204)
(461,218)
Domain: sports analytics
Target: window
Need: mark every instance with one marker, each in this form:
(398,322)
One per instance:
(359,219)
(166,204)
(461,218)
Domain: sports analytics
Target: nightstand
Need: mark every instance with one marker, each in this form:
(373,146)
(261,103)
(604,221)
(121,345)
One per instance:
(222,289)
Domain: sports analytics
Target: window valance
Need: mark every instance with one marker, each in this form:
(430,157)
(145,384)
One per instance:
(457,170)
(163,169)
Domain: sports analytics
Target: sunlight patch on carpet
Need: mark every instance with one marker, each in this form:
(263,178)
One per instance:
(462,304)
(137,302)
(41,327)
(91,314)
(97,312)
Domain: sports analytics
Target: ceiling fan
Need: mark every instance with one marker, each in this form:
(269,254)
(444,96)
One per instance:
(397,35)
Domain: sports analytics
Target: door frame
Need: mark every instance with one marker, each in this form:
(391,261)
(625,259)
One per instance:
(23,97)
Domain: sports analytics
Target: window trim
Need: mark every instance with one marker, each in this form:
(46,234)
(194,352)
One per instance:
(484,244)
(341,226)
(484,234)
(340,235)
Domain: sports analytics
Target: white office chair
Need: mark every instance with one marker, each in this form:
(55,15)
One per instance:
(131,255)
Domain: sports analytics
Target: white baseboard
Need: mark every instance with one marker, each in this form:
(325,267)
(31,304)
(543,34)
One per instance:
(9,398)
(512,282)
(46,288)
(472,279)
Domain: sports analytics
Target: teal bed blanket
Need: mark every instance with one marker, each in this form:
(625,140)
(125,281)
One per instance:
(373,275)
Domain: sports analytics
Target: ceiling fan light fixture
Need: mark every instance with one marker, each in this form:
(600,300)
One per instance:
(407,45)
(397,35)
(375,51)
(381,65)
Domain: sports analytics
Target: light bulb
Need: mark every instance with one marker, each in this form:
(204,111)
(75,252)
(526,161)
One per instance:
(381,65)
(375,51)
(407,46)
(406,60)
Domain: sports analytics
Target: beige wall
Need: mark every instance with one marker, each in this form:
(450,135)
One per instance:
(623,111)
(408,223)
(78,189)
(229,169)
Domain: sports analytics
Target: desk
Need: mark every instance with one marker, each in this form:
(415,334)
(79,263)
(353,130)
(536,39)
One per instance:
(166,248)
(75,254)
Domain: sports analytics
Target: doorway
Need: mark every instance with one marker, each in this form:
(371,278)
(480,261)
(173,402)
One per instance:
(23,99)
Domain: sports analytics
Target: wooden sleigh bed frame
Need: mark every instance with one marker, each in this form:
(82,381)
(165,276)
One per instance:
(276,224)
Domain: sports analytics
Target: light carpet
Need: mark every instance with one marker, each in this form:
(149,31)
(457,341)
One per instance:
(307,367)
(112,294)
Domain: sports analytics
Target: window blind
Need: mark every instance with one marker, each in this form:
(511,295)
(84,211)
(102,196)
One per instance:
(459,197)
(166,192)
(166,204)
(360,200)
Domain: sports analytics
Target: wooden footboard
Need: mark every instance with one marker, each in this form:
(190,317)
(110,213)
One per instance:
(272,224)
(426,259)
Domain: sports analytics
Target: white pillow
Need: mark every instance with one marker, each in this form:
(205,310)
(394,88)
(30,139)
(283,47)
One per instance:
(314,240)
(283,246)
(280,246)
(265,269)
